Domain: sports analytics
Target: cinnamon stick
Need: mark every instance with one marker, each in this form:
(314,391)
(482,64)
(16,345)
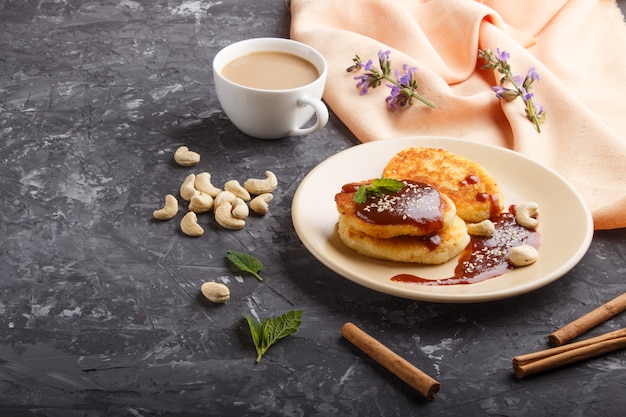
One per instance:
(588,321)
(399,366)
(552,358)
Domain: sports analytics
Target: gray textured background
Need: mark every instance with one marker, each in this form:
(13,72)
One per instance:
(100,312)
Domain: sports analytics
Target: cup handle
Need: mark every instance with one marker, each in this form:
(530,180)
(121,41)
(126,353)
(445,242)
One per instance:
(321,112)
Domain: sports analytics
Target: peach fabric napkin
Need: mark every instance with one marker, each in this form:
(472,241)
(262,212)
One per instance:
(578,48)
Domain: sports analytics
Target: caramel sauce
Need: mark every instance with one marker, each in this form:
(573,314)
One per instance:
(350,187)
(470,180)
(494,208)
(415,204)
(484,257)
(431,241)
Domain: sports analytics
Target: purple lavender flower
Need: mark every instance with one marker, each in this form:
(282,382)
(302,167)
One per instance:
(405,78)
(531,77)
(394,98)
(540,111)
(499,91)
(383,57)
(363,83)
(403,87)
(502,55)
(526,95)
(505,94)
(532,74)
(520,86)
(402,91)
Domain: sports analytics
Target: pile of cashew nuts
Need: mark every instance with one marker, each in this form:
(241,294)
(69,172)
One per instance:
(526,215)
(231,204)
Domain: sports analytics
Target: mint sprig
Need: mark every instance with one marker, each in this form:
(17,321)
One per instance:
(377,188)
(272,330)
(241,261)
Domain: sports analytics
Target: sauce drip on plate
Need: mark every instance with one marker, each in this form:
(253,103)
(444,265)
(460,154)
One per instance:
(485,256)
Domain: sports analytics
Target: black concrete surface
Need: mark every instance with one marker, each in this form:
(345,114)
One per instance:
(100,309)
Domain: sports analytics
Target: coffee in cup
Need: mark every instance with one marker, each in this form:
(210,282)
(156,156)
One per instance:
(271,70)
(271,87)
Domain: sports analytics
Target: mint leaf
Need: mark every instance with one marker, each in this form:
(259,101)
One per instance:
(255,329)
(377,188)
(361,195)
(388,184)
(245,263)
(272,330)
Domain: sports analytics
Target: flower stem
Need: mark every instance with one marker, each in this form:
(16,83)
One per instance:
(409,91)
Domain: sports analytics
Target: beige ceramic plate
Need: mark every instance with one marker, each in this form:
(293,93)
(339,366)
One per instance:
(566,225)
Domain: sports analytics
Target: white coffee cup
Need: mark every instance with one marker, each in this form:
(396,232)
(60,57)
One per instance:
(272,114)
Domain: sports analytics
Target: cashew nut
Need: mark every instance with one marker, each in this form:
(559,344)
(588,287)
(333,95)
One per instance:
(184,157)
(187,189)
(523,255)
(215,292)
(261,186)
(260,204)
(203,184)
(526,215)
(223,197)
(201,203)
(484,228)
(169,210)
(189,225)
(224,217)
(234,187)
(240,209)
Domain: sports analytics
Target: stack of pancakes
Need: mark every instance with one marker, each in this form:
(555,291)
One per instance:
(453,190)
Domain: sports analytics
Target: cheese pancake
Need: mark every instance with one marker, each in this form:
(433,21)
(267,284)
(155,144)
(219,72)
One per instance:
(433,250)
(415,210)
(473,190)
